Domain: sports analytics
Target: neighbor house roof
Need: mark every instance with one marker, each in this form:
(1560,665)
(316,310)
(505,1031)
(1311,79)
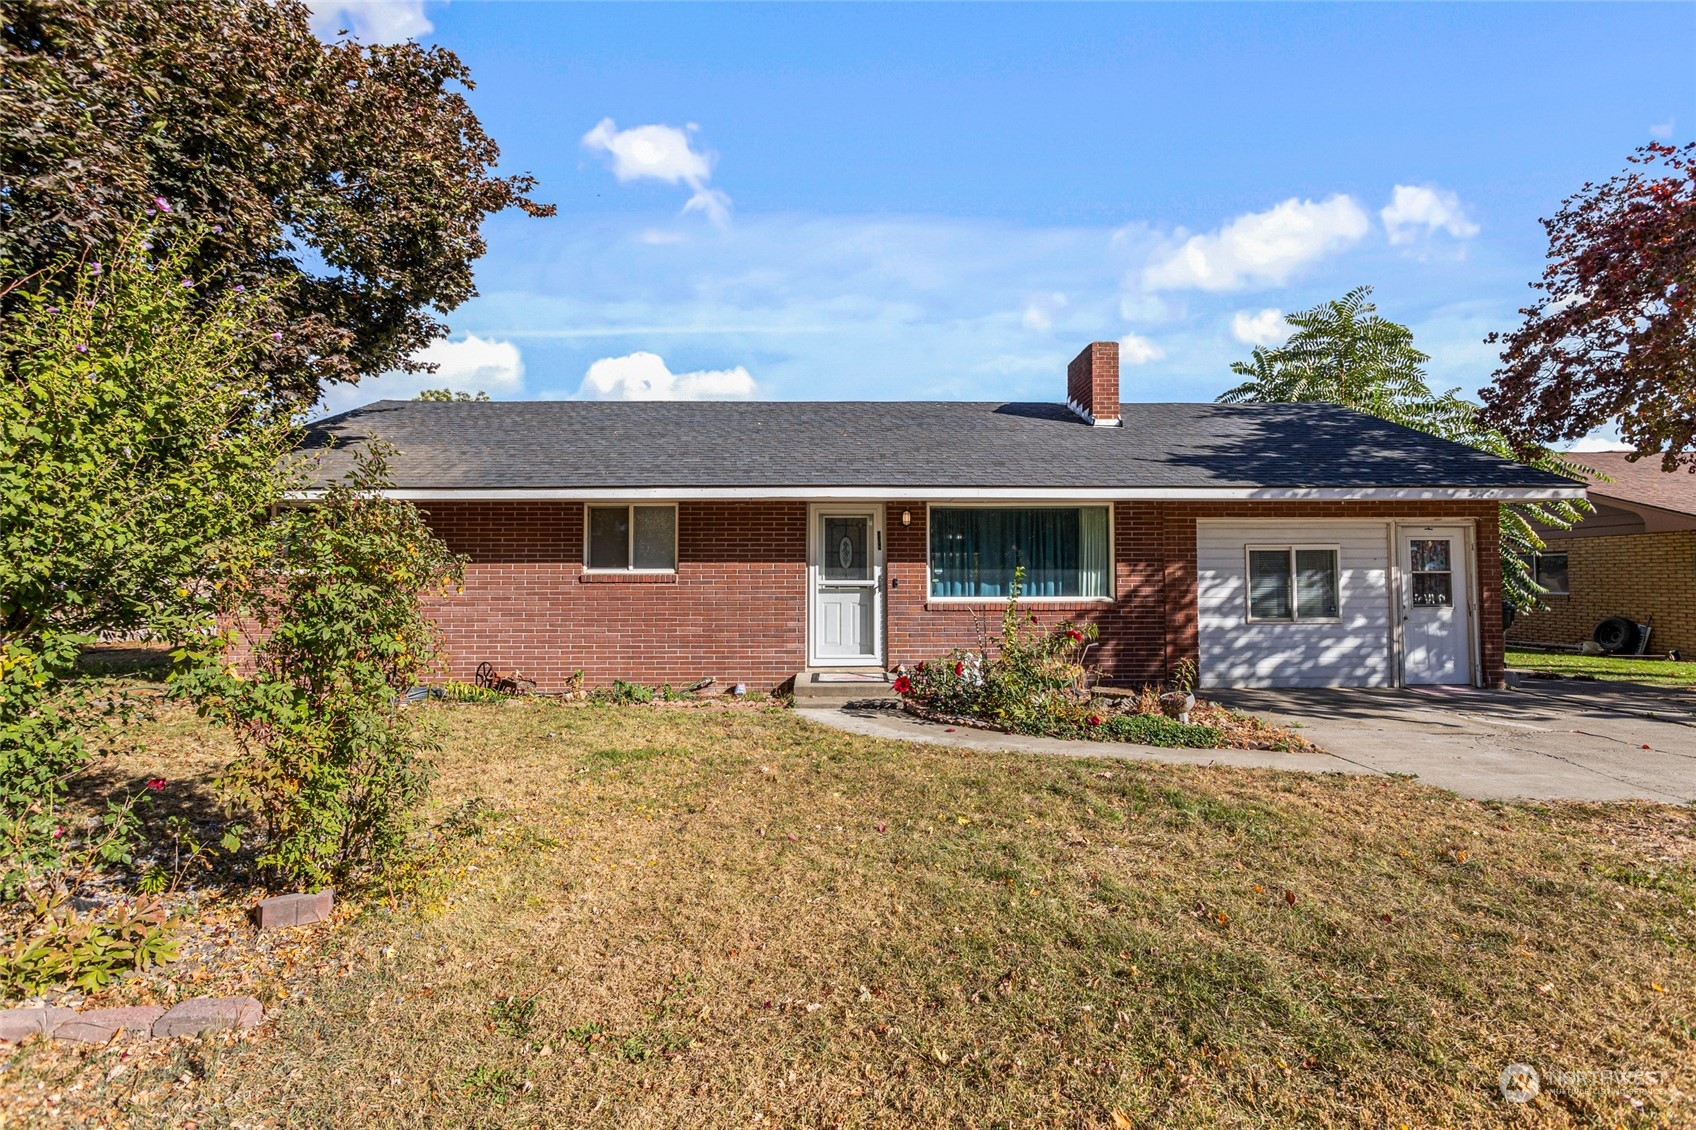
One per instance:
(907,449)
(1642,483)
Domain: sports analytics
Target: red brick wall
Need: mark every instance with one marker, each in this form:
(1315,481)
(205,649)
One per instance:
(737,607)
(735,610)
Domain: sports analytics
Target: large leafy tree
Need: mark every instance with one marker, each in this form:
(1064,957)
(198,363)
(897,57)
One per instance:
(1343,353)
(356,174)
(1612,336)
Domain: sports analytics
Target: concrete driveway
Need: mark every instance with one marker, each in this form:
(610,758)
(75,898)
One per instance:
(1544,741)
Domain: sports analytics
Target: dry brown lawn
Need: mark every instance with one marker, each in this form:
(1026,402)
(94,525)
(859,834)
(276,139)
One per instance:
(703,917)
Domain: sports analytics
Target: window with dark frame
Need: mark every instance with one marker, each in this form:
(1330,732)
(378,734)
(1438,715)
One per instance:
(1549,570)
(1292,583)
(1065,551)
(640,539)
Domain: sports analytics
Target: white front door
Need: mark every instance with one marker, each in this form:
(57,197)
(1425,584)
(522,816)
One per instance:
(1435,606)
(846,568)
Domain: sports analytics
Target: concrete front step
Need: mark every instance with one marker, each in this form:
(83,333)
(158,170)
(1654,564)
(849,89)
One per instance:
(834,688)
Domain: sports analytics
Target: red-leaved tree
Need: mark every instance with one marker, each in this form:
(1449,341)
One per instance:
(1613,334)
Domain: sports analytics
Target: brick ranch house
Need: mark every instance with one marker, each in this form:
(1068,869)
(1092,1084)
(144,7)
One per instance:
(1634,558)
(1272,545)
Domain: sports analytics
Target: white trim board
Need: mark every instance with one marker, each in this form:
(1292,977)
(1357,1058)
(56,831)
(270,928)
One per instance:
(970,494)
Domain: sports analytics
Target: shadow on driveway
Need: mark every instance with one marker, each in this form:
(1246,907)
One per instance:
(1543,740)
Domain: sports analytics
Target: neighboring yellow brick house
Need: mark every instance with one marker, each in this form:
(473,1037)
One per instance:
(1635,558)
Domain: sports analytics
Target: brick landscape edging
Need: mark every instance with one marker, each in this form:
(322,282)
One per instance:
(98,1025)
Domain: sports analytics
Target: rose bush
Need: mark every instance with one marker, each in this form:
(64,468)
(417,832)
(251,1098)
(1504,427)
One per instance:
(1035,681)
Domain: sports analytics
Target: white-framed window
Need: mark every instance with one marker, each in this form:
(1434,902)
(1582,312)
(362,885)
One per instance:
(1065,551)
(1293,582)
(1549,570)
(620,538)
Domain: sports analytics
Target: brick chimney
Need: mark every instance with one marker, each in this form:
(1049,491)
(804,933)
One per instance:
(1092,384)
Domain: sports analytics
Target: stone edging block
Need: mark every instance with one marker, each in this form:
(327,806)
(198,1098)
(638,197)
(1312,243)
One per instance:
(209,1014)
(293,910)
(98,1025)
(18,1024)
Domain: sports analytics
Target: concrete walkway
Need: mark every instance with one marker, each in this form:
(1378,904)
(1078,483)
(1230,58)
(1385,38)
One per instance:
(1563,741)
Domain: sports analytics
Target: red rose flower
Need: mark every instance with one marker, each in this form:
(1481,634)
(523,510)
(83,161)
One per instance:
(157,784)
(959,669)
(1095,719)
(903,686)
(1074,635)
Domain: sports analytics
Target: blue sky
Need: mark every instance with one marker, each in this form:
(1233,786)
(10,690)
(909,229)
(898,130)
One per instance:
(949,201)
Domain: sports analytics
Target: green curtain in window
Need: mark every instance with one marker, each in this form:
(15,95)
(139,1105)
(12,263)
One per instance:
(1092,551)
(974,551)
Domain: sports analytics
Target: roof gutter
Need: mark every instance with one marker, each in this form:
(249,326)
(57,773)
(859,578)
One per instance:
(975,494)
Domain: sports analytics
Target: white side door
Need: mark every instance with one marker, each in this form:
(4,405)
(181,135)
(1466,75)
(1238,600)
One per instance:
(1435,606)
(847,572)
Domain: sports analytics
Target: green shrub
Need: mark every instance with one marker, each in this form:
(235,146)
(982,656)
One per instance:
(87,953)
(1032,682)
(1156,729)
(1020,685)
(470,692)
(331,772)
(622,693)
(137,440)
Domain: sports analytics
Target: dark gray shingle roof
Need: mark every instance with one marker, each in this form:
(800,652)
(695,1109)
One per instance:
(931,444)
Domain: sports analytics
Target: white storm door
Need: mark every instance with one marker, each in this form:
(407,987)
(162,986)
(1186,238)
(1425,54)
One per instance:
(846,573)
(1435,600)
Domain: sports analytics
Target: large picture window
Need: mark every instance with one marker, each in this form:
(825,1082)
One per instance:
(1063,550)
(1288,582)
(632,538)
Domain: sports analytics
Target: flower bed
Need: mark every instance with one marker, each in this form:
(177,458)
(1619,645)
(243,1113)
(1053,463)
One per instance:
(1037,682)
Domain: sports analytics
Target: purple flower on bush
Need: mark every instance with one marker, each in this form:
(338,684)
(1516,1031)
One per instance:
(278,336)
(188,284)
(81,348)
(94,268)
(162,204)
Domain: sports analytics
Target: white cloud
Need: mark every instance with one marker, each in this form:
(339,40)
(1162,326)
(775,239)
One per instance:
(1137,350)
(1263,327)
(1136,306)
(370,21)
(1260,248)
(663,153)
(1663,130)
(1602,439)
(644,376)
(1598,443)
(473,364)
(1040,310)
(1416,210)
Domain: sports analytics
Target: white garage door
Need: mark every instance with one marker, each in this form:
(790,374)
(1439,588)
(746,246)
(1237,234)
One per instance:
(1303,604)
